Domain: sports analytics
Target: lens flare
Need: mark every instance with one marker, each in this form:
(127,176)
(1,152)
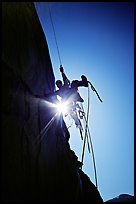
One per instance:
(62,108)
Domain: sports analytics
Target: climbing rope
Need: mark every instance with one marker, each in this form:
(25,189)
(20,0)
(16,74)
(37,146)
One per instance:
(86,136)
(83,151)
(54,34)
(94,163)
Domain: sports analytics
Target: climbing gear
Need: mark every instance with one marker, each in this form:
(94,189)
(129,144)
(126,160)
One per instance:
(92,87)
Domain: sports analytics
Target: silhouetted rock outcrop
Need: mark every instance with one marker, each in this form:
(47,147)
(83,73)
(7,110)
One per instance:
(122,198)
(37,162)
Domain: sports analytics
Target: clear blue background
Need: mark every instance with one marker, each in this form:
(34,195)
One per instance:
(97,39)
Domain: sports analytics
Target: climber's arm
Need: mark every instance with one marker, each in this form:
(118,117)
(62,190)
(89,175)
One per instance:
(65,79)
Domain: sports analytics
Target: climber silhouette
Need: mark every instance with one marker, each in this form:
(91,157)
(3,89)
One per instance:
(69,92)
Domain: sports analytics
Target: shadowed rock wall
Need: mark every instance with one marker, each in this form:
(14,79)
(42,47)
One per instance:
(28,158)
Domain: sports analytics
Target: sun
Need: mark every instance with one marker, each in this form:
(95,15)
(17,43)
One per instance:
(62,107)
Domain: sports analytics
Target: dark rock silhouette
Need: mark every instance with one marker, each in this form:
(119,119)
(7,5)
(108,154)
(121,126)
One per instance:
(122,198)
(37,162)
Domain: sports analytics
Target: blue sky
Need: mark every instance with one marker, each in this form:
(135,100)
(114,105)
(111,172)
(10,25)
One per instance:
(97,39)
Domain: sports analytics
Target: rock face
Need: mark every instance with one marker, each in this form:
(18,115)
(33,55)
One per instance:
(37,163)
(122,198)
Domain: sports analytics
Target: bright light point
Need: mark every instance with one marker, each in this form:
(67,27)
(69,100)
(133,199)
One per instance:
(62,108)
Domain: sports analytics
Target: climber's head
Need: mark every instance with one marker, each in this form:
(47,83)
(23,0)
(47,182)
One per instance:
(59,83)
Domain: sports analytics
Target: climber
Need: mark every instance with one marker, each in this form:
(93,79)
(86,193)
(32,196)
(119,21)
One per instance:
(69,91)
(69,94)
(73,87)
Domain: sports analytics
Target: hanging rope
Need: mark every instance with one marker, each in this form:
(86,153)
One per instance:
(85,128)
(95,172)
(54,34)
(86,135)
